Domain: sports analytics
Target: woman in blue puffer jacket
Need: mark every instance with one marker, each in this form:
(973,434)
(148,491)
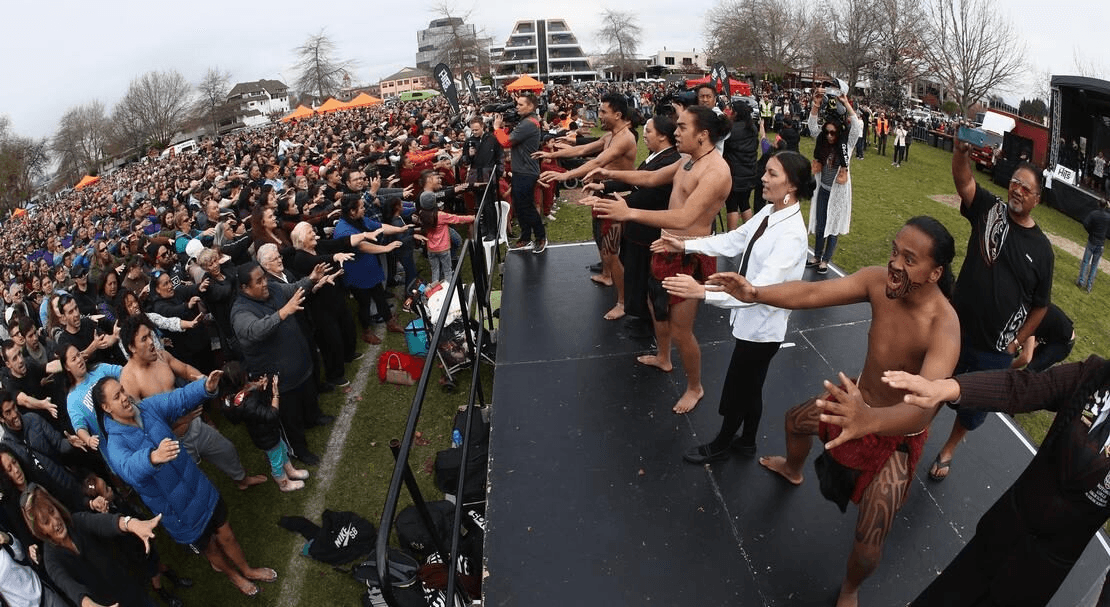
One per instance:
(140,446)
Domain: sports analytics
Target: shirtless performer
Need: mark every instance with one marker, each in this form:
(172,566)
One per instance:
(701,183)
(914,328)
(616,150)
(151,371)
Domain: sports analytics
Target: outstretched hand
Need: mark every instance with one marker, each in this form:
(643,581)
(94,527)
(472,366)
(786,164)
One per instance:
(668,244)
(921,392)
(846,408)
(684,286)
(615,208)
(734,284)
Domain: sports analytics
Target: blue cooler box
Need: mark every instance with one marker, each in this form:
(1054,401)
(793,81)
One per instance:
(416,338)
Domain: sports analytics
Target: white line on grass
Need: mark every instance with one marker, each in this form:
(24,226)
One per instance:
(325,473)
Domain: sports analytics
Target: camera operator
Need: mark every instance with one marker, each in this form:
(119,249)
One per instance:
(524,140)
(482,155)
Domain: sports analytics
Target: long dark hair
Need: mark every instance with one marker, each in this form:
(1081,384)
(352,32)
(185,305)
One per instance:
(822,149)
(944,249)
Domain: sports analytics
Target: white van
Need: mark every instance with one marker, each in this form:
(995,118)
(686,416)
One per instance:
(189,145)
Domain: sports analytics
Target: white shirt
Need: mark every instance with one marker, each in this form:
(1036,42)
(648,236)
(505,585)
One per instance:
(777,256)
(21,585)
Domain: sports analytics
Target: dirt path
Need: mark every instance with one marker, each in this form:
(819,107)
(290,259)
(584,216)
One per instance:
(1069,246)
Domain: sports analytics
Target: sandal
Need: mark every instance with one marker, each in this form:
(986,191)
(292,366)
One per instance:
(271,576)
(251,589)
(812,262)
(938,465)
(822,268)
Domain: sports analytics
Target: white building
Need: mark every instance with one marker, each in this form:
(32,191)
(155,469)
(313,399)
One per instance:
(254,103)
(680,61)
(408,79)
(545,49)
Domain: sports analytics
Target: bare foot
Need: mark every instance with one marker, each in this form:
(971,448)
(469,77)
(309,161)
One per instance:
(654,360)
(777,463)
(615,313)
(250,481)
(688,401)
(602,280)
(848,599)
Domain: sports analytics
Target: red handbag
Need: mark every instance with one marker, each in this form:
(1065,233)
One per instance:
(395,367)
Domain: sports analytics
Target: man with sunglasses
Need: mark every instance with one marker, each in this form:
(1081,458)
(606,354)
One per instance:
(1003,289)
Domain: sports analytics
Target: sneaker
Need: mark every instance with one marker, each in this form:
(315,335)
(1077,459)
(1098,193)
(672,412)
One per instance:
(541,246)
(551,217)
(342,382)
(521,245)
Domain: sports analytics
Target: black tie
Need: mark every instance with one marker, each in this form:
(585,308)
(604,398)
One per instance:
(748,252)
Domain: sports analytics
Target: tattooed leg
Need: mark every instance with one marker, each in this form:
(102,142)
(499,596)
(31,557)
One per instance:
(802,423)
(880,502)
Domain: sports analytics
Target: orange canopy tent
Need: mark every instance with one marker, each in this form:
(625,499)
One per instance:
(738,88)
(525,83)
(86,180)
(300,113)
(331,105)
(19,212)
(363,100)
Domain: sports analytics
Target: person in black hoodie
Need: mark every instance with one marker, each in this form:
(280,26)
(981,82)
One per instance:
(255,403)
(740,151)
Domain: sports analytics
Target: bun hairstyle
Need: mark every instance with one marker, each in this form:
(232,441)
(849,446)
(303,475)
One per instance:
(715,122)
(798,172)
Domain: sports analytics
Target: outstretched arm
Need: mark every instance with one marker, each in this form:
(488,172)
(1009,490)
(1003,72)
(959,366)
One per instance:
(643,179)
(799,294)
(706,200)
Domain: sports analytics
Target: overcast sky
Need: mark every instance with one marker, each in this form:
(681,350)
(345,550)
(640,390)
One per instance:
(59,54)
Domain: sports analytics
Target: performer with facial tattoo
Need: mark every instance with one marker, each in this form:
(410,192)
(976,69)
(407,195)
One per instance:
(914,328)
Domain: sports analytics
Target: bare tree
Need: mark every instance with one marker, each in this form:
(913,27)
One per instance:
(973,49)
(852,37)
(760,36)
(153,109)
(620,34)
(81,141)
(458,43)
(900,57)
(212,97)
(318,71)
(23,163)
(1085,66)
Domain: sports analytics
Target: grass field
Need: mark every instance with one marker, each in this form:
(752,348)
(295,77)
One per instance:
(884,197)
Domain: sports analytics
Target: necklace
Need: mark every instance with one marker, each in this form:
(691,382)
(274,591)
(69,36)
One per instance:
(690,163)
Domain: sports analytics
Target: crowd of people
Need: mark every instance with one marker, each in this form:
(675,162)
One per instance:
(240,276)
(228,276)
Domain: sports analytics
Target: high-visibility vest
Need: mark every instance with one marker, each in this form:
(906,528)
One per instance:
(881,127)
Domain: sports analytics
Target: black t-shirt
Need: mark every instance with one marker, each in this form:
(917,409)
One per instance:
(1007,272)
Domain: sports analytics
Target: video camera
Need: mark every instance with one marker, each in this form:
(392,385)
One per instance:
(507,110)
(833,110)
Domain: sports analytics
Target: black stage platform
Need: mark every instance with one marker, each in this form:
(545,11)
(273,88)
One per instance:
(591,504)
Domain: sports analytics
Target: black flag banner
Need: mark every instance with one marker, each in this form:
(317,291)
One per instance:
(471,86)
(720,74)
(446,82)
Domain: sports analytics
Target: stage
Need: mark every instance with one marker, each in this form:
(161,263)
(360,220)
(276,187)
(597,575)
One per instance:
(591,504)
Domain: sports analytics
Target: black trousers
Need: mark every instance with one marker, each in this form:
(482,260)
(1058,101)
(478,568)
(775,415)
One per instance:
(335,336)
(299,409)
(636,259)
(742,394)
(363,297)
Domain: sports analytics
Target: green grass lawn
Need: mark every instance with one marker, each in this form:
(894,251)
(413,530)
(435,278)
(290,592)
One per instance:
(884,197)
